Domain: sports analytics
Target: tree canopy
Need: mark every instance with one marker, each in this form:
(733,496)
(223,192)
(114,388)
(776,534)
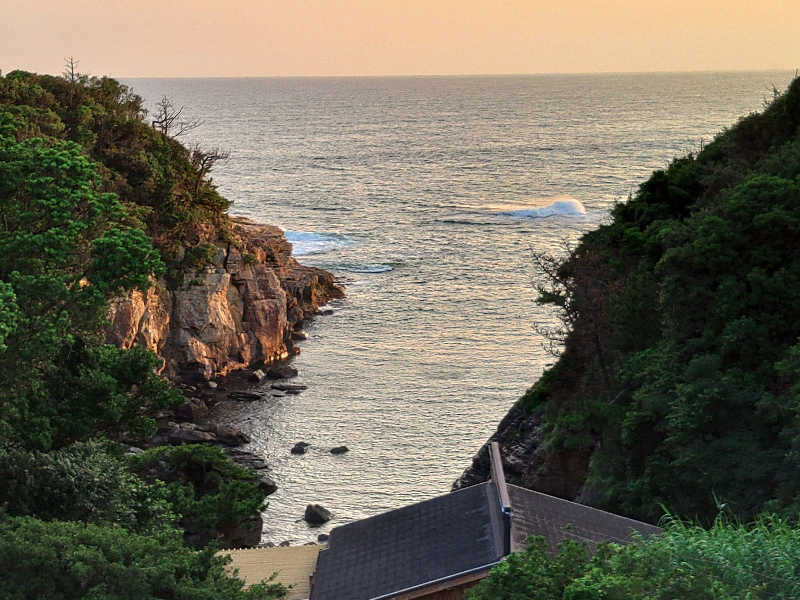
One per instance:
(94,203)
(679,375)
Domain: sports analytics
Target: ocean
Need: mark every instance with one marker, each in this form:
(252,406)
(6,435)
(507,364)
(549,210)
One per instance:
(425,196)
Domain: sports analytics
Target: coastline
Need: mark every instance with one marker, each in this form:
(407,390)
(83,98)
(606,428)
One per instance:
(236,318)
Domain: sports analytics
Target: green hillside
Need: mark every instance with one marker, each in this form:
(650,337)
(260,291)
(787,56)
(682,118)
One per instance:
(94,201)
(678,385)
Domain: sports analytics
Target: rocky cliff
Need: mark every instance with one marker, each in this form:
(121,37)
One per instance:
(237,310)
(527,461)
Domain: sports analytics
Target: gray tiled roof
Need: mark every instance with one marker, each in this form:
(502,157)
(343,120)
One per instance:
(555,519)
(411,546)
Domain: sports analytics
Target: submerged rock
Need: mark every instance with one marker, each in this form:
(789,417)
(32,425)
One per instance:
(180,436)
(267,485)
(245,396)
(289,387)
(340,450)
(230,436)
(194,409)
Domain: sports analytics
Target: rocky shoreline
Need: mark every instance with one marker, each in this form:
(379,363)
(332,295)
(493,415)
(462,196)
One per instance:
(242,308)
(230,324)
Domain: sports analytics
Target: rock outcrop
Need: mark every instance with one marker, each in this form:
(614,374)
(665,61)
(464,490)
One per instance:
(528,463)
(238,310)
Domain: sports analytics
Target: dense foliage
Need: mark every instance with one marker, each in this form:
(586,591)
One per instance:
(162,182)
(679,376)
(65,251)
(86,482)
(96,202)
(725,562)
(202,484)
(62,560)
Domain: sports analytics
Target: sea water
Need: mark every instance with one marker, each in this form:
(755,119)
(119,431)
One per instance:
(425,196)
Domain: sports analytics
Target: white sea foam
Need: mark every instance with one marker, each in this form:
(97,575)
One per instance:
(561,205)
(315,242)
(366,268)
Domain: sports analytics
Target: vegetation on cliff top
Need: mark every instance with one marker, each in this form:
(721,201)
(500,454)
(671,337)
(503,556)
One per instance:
(725,562)
(94,202)
(680,372)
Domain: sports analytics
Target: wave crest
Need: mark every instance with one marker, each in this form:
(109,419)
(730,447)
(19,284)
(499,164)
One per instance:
(313,242)
(561,205)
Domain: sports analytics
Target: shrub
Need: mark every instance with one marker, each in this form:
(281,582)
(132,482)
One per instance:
(82,482)
(203,485)
(61,560)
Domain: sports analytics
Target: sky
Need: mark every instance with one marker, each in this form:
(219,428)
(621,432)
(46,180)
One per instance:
(234,38)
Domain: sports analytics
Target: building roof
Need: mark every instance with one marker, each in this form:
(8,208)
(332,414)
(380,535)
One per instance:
(556,519)
(451,536)
(412,546)
(293,565)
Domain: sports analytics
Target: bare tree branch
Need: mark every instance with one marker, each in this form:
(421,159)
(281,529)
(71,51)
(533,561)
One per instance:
(203,161)
(71,70)
(167,119)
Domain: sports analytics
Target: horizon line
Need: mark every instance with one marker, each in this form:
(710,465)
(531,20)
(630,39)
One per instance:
(434,75)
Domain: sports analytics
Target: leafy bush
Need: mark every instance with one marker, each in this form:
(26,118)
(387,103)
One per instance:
(83,482)
(65,251)
(63,560)
(203,485)
(140,163)
(534,573)
(682,319)
(726,562)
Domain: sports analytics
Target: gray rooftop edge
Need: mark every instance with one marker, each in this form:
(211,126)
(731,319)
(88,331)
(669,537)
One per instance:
(473,521)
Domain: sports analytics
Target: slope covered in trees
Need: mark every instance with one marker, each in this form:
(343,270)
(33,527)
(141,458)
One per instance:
(678,383)
(94,202)
(678,386)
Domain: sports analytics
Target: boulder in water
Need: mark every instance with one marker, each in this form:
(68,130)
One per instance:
(245,396)
(316,514)
(300,448)
(281,372)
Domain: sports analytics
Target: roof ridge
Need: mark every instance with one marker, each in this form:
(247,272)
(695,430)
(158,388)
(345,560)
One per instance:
(498,521)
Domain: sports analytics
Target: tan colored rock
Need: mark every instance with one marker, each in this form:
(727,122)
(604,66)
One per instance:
(226,316)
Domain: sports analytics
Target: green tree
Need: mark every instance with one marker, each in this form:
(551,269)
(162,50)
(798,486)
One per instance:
(677,384)
(60,560)
(204,486)
(87,481)
(534,573)
(65,250)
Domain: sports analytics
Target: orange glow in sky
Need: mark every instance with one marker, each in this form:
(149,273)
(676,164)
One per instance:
(389,37)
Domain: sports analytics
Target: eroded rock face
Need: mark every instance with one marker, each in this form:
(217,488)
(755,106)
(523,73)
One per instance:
(526,462)
(240,310)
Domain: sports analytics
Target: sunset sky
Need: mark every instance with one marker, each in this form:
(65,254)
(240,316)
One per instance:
(390,37)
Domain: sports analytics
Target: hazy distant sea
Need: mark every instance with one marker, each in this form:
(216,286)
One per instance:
(425,196)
